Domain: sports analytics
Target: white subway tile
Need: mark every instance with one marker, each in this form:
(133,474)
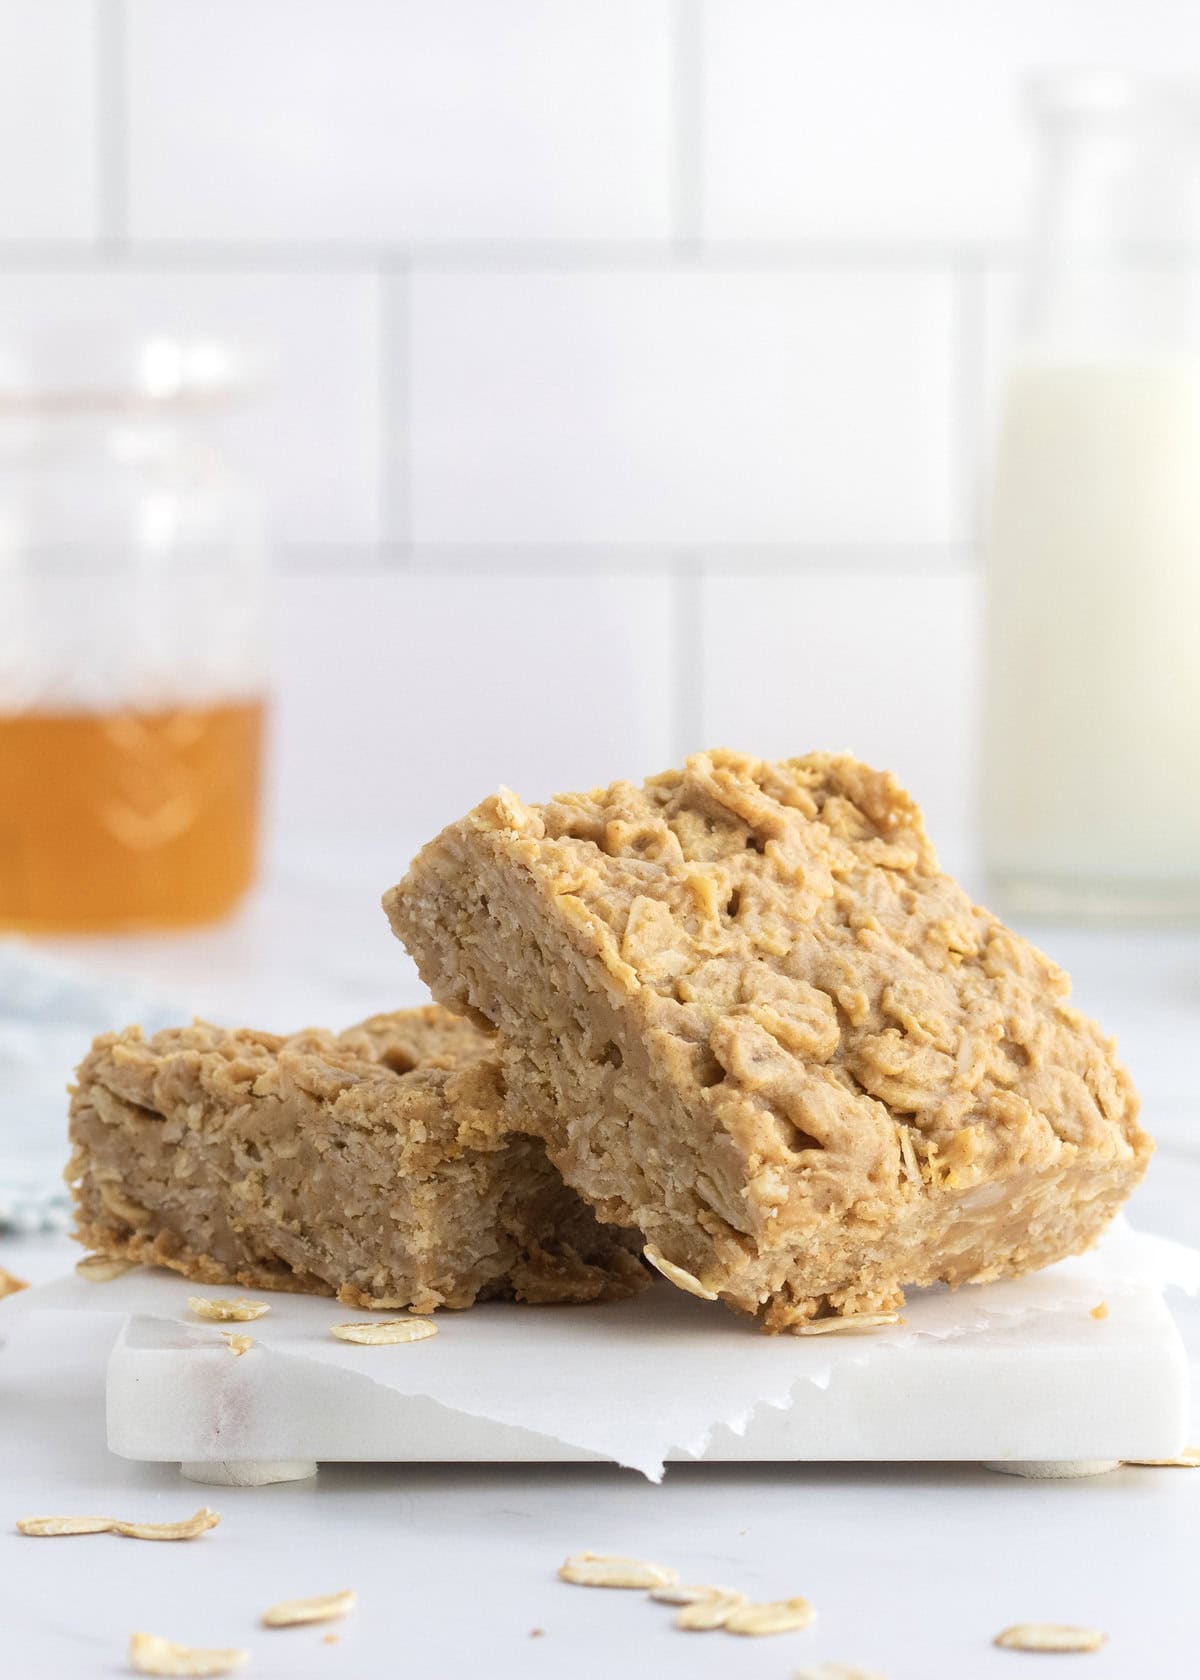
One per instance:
(400,119)
(404,699)
(883,666)
(48,138)
(311,440)
(686,406)
(867,118)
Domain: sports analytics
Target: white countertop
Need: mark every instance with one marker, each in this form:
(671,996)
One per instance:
(913,1568)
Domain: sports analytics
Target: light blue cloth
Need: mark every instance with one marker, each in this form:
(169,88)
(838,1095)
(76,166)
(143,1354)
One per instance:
(49,1013)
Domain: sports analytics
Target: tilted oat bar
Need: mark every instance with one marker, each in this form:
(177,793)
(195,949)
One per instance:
(749,1015)
(375,1165)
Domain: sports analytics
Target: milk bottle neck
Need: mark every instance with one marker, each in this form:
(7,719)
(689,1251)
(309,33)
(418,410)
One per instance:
(1113,269)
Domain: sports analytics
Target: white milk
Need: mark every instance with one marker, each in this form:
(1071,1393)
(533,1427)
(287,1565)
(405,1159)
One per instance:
(1092,769)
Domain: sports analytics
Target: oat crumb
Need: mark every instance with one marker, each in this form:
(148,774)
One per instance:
(783,1615)
(294,1612)
(384,1334)
(197,1524)
(46,1527)
(103,1268)
(239,1311)
(1049,1636)
(595,1569)
(851,1321)
(703,1615)
(1100,1310)
(837,1671)
(148,1654)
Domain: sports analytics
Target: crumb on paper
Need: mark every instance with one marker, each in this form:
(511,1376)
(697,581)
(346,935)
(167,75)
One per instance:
(1100,1310)
(294,1612)
(850,1321)
(217,1311)
(385,1334)
(148,1654)
(237,1344)
(597,1569)
(10,1284)
(1049,1636)
(537,1633)
(1188,1459)
(103,1268)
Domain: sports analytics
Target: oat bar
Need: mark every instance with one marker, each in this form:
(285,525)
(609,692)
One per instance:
(749,1015)
(375,1166)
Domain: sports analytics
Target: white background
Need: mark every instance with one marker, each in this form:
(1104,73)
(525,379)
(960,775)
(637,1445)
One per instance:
(633,357)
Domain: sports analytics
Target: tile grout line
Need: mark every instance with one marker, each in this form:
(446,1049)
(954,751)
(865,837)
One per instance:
(629,559)
(480,257)
(112,125)
(685,100)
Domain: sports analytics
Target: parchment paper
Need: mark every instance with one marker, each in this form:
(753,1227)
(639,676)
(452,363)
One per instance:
(595,1377)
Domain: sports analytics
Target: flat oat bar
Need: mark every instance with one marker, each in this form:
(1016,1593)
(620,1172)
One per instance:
(375,1166)
(749,1015)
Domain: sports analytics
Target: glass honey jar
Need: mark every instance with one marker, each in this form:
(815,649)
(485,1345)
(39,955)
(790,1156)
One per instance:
(132,675)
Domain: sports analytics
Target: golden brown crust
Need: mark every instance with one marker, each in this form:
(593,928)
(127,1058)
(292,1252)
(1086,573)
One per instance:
(748,1013)
(375,1165)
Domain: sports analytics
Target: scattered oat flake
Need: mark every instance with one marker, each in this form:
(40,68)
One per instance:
(292,1612)
(1188,1459)
(784,1615)
(148,1654)
(45,1526)
(684,1593)
(1049,1636)
(237,1344)
(236,1312)
(594,1569)
(379,1335)
(676,1274)
(330,1638)
(1099,1311)
(10,1284)
(197,1524)
(103,1268)
(837,1671)
(853,1321)
(709,1613)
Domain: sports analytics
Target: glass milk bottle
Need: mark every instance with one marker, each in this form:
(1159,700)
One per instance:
(131,672)
(1092,737)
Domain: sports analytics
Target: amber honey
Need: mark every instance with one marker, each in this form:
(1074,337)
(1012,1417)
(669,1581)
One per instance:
(127,818)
